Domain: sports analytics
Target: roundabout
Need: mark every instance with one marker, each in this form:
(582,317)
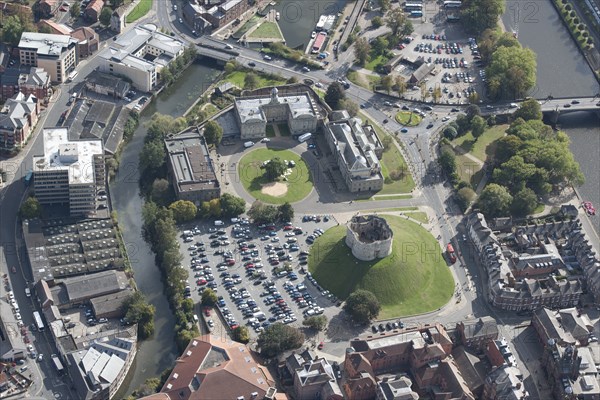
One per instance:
(294,185)
(408,118)
(412,279)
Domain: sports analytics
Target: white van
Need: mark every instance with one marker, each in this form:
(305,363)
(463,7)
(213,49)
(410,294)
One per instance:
(228,46)
(187,233)
(27,292)
(514,105)
(219,223)
(248,144)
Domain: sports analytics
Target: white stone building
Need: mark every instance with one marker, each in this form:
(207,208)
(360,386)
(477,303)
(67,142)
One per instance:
(369,237)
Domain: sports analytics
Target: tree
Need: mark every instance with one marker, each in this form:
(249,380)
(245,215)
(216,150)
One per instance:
(464,197)
(275,168)
(529,109)
(31,208)
(472,110)
(213,132)
(316,322)
(75,9)
(335,94)
(167,76)
(407,28)
(479,15)
(349,106)
(513,71)
(396,19)
(362,306)
(285,212)
(149,387)
(278,338)
(400,85)
(495,201)
(506,147)
(161,191)
(450,132)
(183,210)
(105,16)
(376,22)
(209,297)
(524,203)
(380,45)
(241,334)
(262,213)
(437,94)
(478,126)
(152,156)
(232,206)
(250,81)
(12,28)
(462,124)
(138,311)
(386,83)
(385,6)
(362,49)
(448,161)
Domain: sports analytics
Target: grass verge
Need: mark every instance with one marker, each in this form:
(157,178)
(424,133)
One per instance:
(139,11)
(267,30)
(408,118)
(483,146)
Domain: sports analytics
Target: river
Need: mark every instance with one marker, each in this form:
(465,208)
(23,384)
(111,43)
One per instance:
(159,352)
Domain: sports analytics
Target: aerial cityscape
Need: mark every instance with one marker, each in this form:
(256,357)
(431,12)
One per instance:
(320,199)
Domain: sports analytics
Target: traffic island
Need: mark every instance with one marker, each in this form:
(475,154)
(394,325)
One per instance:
(408,118)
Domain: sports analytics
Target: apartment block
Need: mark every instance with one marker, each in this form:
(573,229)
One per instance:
(68,172)
(56,54)
(18,117)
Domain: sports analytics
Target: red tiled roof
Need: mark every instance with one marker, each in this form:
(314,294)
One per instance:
(95,5)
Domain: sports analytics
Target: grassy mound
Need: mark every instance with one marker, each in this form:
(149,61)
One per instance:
(413,279)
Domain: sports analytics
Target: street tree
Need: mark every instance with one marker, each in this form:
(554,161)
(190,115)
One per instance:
(376,22)
(183,210)
(285,212)
(465,197)
(232,206)
(395,20)
(384,6)
(241,334)
(362,49)
(335,94)
(478,126)
(349,106)
(472,110)
(209,297)
(386,83)
(529,109)
(275,168)
(437,94)
(450,132)
(105,16)
(495,201)
(362,306)
(250,81)
(462,124)
(447,161)
(262,213)
(400,85)
(31,208)
(277,338)
(524,203)
(213,132)
(316,322)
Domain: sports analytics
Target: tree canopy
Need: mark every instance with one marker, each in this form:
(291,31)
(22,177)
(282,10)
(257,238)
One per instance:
(362,49)
(316,322)
(362,306)
(529,109)
(335,94)
(275,168)
(232,206)
(479,15)
(262,213)
(105,16)
(495,201)
(278,338)
(285,212)
(241,334)
(209,297)
(183,210)
(213,132)
(511,72)
(31,208)
(139,311)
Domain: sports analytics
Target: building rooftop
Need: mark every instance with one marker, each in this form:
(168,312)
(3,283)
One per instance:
(77,157)
(46,44)
(16,110)
(92,285)
(134,39)
(251,108)
(354,145)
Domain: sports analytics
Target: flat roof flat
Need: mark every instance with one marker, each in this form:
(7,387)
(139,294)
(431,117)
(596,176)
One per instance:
(46,44)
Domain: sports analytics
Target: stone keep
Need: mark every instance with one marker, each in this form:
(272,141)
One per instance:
(369,237)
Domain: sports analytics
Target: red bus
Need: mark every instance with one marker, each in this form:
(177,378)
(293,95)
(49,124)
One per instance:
(451,253)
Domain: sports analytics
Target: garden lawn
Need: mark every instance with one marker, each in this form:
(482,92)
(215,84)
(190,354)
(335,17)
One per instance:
(267,30)
(408,118)
(375,61)
(237,78)
(484,145)
(413,279)
(299,183)
(139,11)
(392,160)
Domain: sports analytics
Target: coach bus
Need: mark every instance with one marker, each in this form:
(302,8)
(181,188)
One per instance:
(413,7)
(38,321)
(452,4)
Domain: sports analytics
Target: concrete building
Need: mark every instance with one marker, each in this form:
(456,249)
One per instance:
(88,41)
(110,305)
(68,172)
(216,368)
(357,151)
(369,237)
(140,54)
(99,371)
(36,83)
(395,388)
(520,271)
(18,117)
(108,85)
(77,290)
(56,54)
(476,333)
(93,9)
(191,169)
(253,113)
(312,377)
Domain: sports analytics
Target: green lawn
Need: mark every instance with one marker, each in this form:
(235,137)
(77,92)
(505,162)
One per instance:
(468,170)
(246,27)
(484,145)
(270,131)
(267,30)
(392,160)
(408,118)
(139,11)
(363,80)
(299,183)
(375,61)
(413,279)
(237,78)
(284,130)
(418,216)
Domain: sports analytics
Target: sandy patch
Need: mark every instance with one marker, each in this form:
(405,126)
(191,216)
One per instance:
(275,189)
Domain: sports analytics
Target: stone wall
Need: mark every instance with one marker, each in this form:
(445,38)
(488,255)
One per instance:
(369,237)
